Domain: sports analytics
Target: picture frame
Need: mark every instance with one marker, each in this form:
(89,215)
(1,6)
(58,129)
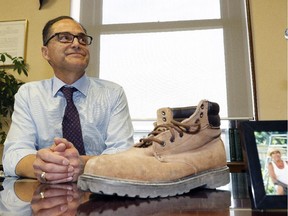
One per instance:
(254,150)
(13,36)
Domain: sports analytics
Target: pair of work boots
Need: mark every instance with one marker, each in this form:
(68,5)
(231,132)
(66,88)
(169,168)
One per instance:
(183,152)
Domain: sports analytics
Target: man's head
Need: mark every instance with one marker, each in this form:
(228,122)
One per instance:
(46,32)
(273,151)
(65,47)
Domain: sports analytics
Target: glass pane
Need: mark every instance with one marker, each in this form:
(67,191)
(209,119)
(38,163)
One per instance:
(168,69)
(135,11)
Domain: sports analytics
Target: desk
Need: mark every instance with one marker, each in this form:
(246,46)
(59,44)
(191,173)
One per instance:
(29,197)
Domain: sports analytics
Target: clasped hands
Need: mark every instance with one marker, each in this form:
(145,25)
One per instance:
(58,164)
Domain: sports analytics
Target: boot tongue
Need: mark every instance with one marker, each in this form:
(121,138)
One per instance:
(164,116)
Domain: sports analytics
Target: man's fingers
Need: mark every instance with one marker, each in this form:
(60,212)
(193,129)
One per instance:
(55,178)
(48,156)
(68,179)
(61,147)
(58,141)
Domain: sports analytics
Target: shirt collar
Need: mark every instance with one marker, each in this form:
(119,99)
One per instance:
(81,85)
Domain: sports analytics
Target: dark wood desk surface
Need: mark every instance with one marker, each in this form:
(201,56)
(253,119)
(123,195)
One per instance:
(28,197)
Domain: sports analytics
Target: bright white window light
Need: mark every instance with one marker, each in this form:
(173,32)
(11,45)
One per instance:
(75,9)
(166,69)
(137,11)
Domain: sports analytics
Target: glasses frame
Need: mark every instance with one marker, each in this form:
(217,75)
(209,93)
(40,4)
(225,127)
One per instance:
(74,36)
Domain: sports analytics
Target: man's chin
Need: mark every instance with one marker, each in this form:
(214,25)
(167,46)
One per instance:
(78,66)
(76,55)
(81,61)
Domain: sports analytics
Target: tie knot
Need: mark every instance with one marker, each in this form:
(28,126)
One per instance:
(68,92)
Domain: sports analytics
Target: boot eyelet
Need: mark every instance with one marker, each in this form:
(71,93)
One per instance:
(172,140)
(164,119)
(163,113)
(163,144)
(202,106)
(181,135)
(201,114)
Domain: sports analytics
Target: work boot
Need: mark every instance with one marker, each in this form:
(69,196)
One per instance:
(175,158)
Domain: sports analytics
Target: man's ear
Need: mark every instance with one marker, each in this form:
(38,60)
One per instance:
(45,53)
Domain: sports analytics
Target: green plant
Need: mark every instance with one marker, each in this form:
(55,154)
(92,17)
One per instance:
(9,85)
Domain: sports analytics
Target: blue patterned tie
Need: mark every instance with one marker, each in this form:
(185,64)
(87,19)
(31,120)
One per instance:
(71,126)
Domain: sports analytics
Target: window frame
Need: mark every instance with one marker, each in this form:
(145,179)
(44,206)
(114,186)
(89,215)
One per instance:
(237,42)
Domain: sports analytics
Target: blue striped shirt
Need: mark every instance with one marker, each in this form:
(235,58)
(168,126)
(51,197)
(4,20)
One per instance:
(39,109)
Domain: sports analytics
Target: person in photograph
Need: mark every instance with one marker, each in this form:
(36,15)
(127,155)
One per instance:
(278,171)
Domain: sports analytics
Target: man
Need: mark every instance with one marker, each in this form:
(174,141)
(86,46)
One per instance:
(33,148)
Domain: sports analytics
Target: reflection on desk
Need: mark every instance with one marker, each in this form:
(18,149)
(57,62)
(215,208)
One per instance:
(200,202)
(29,197)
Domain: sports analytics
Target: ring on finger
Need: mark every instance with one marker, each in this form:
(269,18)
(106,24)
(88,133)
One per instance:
(42,195)
(43,177)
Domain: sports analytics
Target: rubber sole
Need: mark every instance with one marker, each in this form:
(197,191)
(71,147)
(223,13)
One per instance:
(209,179)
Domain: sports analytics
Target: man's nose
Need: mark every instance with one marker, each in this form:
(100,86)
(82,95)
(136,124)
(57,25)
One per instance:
(75,42)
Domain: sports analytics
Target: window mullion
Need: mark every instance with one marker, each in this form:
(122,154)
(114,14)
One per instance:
(160,26)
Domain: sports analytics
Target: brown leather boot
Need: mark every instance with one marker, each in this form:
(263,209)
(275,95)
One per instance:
(175,158)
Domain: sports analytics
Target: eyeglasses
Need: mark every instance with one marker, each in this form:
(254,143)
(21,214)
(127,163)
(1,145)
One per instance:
(66,37)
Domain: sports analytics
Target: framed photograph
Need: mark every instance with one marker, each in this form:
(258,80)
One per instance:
(13,38)
(265,146)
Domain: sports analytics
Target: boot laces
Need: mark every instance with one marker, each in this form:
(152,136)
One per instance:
(173,127)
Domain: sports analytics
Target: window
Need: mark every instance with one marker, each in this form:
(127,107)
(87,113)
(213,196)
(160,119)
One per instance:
(143,11)
(172,53)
